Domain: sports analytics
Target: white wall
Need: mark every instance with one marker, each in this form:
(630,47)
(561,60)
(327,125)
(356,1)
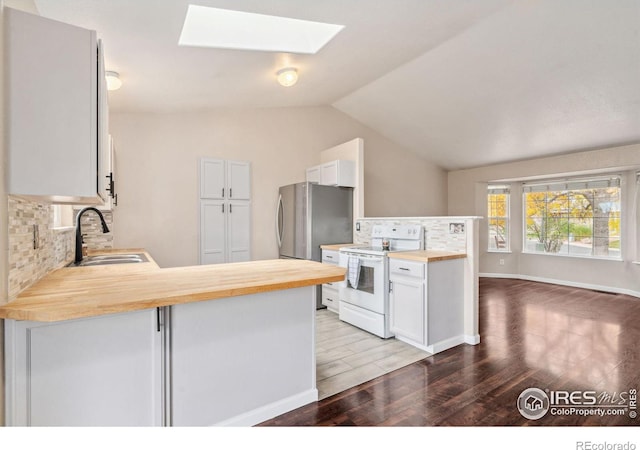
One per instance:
(157,172)
(467,196)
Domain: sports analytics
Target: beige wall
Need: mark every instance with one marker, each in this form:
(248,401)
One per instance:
(157,172)
(467,196)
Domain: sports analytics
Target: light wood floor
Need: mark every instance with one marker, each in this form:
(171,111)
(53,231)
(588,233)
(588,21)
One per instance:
(347,356)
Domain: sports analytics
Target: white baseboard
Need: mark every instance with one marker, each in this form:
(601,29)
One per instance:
(271,410)
(445,344)
(472,339)
(596,287)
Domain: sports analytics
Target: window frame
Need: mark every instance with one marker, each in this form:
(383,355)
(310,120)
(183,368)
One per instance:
(496,190)
(574,184)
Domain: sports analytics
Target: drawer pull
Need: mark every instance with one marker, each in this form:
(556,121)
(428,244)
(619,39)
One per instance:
(329,257)
(404,268)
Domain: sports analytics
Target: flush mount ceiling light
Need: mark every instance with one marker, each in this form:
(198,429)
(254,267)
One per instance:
(113,80)
(287,76)
(222,28)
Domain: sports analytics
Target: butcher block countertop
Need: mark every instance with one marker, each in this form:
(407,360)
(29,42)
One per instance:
(76,292)
(427,255)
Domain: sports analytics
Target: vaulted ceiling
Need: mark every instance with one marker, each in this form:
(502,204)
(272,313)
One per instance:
(462,82)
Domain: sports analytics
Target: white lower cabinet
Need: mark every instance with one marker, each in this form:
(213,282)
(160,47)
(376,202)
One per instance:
(407,309)
(426,303)
(100,371)
(230,361)
(330,297)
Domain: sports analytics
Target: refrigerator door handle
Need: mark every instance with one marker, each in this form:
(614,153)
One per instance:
(279,221)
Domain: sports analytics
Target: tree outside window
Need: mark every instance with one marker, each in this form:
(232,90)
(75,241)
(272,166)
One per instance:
(578,218)
(498,218)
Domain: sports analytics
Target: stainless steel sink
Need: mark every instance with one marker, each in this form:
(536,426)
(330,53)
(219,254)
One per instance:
(101,260)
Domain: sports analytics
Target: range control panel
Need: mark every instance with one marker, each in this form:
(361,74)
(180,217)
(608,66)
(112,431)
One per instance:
(411,232)
(400,237)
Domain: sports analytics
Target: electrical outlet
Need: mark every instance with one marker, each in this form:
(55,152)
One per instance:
(502,262)
(36,237)
(357,226)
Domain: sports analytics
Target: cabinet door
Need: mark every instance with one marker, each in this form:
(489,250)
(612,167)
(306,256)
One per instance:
(212,231)
(101,371)
(104,140)
(313,174)
(329,174)
(239,231)
(52,104)
(212,179)
(239,180)
(407,306)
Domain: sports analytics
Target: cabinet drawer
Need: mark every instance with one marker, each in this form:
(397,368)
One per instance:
(330,297)
(330,256)
(406,268)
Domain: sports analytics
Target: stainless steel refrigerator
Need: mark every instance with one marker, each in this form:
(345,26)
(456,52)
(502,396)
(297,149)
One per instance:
(310,215)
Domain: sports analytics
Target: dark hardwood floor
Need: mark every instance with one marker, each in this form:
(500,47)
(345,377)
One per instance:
(533,335)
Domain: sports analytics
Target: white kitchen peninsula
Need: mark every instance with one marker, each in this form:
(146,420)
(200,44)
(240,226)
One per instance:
(133,344)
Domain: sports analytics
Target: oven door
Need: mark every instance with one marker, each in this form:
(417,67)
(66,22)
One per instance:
(370,292)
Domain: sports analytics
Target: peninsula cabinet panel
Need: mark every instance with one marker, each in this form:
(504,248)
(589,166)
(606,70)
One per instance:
(102,371)
(241,360)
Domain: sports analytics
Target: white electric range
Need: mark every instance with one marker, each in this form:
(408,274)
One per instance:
(364,295)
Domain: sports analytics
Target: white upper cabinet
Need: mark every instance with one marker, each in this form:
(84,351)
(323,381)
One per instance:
(334,173)
(313,174)
(225,180)
(55,115)
(239,180)
(212,178)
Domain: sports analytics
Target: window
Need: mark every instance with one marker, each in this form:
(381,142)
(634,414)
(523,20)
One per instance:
(574,217)
(62,216)
(498,218)
(636,208)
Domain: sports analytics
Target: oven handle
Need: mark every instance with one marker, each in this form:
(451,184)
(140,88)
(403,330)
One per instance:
(367,258)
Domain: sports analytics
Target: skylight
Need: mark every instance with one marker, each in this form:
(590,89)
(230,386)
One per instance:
(223,28)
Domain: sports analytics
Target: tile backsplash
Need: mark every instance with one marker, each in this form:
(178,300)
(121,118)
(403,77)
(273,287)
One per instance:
(442,233)
(55,246)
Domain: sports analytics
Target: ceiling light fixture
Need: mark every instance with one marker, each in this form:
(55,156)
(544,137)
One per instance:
(113,80)
(287,77)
